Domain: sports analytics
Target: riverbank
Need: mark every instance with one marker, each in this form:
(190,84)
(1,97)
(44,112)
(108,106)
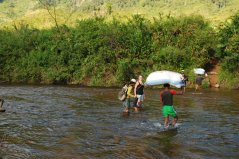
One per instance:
(190,85)
(98,52)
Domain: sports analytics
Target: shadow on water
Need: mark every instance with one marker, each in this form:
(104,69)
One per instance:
(71,122)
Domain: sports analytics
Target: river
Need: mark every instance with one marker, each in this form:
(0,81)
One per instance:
(79,122)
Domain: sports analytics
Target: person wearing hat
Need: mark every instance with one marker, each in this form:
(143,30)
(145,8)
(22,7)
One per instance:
(129,96)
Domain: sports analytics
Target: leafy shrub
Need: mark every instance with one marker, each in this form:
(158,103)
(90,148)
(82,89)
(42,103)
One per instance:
(99,52)
(229,37)
(228,79)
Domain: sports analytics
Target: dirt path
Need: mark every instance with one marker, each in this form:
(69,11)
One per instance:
(213,75)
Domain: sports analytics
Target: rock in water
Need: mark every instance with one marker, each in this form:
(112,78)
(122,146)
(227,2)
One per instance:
(217,86)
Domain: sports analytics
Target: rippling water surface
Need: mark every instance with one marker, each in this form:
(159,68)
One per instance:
(72,122)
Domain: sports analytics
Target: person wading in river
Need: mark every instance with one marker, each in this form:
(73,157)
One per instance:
(166,97)
(184,79)
(139,92)
(129,96)
(198,81)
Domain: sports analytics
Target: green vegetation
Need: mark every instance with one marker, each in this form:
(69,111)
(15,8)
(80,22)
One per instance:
(101,52)
(97,52)
(229,52)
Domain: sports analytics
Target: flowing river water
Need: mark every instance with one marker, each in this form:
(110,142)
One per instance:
(74,122)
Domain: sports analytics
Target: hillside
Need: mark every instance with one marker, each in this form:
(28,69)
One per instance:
(31,12)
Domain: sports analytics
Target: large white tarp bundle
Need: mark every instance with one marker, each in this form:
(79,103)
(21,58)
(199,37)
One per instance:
(199,71)
(162,77)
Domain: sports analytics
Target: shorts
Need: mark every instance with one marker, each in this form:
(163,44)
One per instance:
(140,97)
(127,103)
(135,101)
(184,83)
(169,110)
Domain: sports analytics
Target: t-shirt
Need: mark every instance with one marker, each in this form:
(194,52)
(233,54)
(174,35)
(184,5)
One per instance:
(199,80)
(167,97)
(130,92)
(140,89)
(185,77)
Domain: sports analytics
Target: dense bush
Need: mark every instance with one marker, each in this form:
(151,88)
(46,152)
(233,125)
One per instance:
(229,52)
(100,52)
(229,45)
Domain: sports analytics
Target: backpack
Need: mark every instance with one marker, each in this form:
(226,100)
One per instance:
(122,95)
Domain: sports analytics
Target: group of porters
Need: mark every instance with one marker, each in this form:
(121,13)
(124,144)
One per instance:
(132,94)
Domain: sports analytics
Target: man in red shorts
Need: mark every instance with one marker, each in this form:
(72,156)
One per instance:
(166,97)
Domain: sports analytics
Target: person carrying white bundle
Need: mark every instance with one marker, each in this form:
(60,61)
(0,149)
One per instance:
(162,77)
(166,97)
(198,82)
(201,75)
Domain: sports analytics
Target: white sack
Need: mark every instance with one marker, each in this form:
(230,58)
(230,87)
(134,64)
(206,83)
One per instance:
(199,71)
(162,77)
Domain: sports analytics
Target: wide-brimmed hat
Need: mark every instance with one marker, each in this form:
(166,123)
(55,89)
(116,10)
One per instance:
(133,80)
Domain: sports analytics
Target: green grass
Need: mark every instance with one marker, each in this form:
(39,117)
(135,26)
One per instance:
(229,80)
(28,11)
(13,9)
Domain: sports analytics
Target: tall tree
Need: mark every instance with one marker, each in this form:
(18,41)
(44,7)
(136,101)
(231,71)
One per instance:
(51,6)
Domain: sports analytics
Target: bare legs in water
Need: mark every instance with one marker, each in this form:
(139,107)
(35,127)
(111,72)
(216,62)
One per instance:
(166,120)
